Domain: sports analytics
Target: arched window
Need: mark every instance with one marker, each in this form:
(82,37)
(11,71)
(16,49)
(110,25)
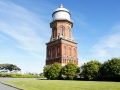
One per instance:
(54,33)
(61,31)
(69,51)
(65,50)
(75,52)
(58,49)
(53,52)
(49,52)
(69,32)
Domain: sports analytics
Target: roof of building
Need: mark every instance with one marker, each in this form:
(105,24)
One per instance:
(61,8)
(61,13)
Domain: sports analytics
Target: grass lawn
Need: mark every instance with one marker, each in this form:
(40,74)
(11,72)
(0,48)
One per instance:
(64,85)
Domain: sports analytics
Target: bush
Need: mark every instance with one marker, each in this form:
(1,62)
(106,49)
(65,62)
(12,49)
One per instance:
(16,75)
(5,75)
(110,70)
(90,70)
(70,71)
(20,75)
(53,72)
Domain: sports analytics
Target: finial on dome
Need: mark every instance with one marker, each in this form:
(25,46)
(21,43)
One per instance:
(61,6)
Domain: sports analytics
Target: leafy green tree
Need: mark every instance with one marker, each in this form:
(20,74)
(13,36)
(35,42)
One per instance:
(45,71)
(111,68)
(90,70)
(53,72)
(12,67)
(70,71)
(9,67)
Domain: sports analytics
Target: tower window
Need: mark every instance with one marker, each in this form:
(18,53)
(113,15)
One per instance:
(54,33)
(61,31)
(58,49)
(70,51)
(65,50)
(49,52)
(69,32)
(53,51)
(75,52)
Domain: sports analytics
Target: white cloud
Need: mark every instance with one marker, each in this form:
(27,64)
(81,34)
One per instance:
(23,35)
(108,46)
(26,28)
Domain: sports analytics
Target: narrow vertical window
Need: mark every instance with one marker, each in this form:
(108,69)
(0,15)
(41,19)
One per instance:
(49,52)
(58,49)
(53,51)
(61,31)
(68,32)
(65,50)
(54,33)
(69,51)
(74,52)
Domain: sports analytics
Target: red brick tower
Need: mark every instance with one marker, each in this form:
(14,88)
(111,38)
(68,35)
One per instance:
(61,48)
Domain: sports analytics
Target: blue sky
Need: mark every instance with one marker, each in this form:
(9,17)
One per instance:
(24,30)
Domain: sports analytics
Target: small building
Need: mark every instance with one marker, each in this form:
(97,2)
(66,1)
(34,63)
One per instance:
(61,48)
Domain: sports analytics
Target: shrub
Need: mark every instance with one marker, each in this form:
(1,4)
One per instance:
(90,70)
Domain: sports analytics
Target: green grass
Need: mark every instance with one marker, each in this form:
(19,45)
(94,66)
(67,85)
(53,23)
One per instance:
(64,85)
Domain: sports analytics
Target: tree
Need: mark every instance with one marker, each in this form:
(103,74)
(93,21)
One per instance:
(9,67)
(12,67)
(70,71)
(45,71)
(90,70)
(111,69)
(53,72)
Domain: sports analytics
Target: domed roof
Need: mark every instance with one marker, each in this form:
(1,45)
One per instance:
(61,13)
(61,8)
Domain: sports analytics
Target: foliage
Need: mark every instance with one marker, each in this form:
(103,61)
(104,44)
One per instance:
(111,69)
(90,70)
(5,75)
(56,71)
(53,72)
(45,71)
(63,85)
(19,75)
(70,71)
(9,67)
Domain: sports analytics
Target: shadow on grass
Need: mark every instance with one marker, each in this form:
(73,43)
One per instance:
(42,79)
(81,79)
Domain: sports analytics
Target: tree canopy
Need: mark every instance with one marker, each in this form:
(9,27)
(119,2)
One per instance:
(90,70)
(53,72)
(111,68)
(70,71)
(56,71)
(9,67)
